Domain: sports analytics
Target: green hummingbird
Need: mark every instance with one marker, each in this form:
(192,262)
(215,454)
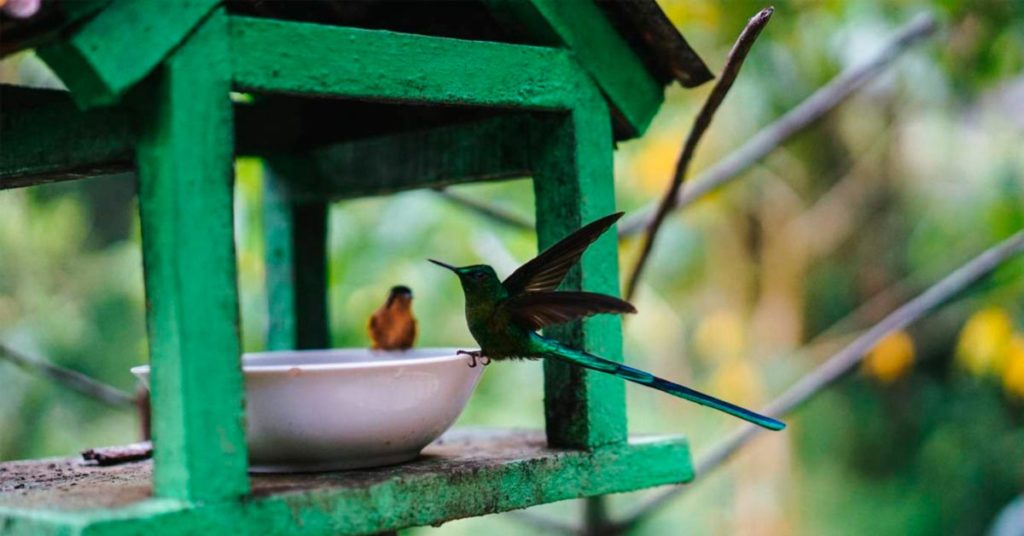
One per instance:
(504,317)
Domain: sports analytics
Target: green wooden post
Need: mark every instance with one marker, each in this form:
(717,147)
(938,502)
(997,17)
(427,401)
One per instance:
(185,199)
(573,184)
(296,259)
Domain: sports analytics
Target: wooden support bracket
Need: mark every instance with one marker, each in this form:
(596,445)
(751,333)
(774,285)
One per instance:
(122,44)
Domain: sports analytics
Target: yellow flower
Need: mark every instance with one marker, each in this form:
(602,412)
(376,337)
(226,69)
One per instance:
(1013,374)
(982,345)
(891,358)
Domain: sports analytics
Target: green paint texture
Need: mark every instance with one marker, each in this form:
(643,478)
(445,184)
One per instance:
(46,138)
(185,201)
(488,149)
(296,258)
(293,57)
(117,48)
(582,27)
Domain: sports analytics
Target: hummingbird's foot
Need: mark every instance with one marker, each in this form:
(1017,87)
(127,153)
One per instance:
(474,356)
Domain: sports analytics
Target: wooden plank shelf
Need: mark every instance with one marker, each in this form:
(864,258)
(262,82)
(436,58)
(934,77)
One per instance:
(467,472)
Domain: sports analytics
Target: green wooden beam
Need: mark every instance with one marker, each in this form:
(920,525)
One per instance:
(296,258)
(574,185)
(581,26)
(293,57)
(488,149)
(120,45)
(46,138)
(470,473)
(185,165)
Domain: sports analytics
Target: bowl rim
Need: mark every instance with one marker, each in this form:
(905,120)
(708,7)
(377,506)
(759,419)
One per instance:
(448,355)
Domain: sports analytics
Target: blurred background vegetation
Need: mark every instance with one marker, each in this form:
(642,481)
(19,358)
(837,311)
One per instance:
(748,288)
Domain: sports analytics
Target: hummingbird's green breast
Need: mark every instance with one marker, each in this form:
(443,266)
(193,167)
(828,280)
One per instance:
(497,336)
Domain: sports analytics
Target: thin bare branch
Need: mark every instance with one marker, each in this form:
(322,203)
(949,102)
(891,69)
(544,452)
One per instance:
(700,125)
(843,362)
(823,101)
(543,522)
(486,210)
(73,379)
(595,516)
(119,454)
(868,311)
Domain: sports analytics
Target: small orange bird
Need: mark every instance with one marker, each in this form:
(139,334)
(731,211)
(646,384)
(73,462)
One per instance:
(392,326)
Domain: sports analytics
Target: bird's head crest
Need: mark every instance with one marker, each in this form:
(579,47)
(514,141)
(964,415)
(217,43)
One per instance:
(399,293)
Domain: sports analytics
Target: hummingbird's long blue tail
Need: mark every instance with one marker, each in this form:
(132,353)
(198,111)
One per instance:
(600,364)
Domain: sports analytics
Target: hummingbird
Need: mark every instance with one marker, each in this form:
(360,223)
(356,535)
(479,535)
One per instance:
(504,316)
(392,326)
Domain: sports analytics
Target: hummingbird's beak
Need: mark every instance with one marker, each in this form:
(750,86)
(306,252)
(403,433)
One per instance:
(448,266)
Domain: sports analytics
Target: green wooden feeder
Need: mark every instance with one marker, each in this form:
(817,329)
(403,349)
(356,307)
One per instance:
(348,99)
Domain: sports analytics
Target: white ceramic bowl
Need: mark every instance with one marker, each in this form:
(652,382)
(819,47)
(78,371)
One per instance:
(324,410)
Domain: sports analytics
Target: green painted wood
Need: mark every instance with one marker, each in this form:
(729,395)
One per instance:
(489,149)
(580,25)
(185,201)
(296,259)
(46,138)
(574,185)
(470,473)
(293,57)
(122,44)
(38,524)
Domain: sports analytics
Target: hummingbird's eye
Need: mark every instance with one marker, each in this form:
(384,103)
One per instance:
(479,276)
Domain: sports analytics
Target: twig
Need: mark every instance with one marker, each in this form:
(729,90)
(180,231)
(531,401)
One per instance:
(543,522)
(700,125)
(866,312)
(119,454)
(803,115)
(595,516)
(73,379)
(488,211)
(843,362)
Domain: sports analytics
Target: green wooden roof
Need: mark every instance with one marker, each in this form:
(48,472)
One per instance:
(630,48)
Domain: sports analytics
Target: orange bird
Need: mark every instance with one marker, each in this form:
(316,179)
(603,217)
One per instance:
(392,326)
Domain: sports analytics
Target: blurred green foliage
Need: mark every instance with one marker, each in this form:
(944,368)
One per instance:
(916,174)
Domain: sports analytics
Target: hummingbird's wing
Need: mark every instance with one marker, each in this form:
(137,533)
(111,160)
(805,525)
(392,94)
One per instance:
(547,270)
(536,310)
